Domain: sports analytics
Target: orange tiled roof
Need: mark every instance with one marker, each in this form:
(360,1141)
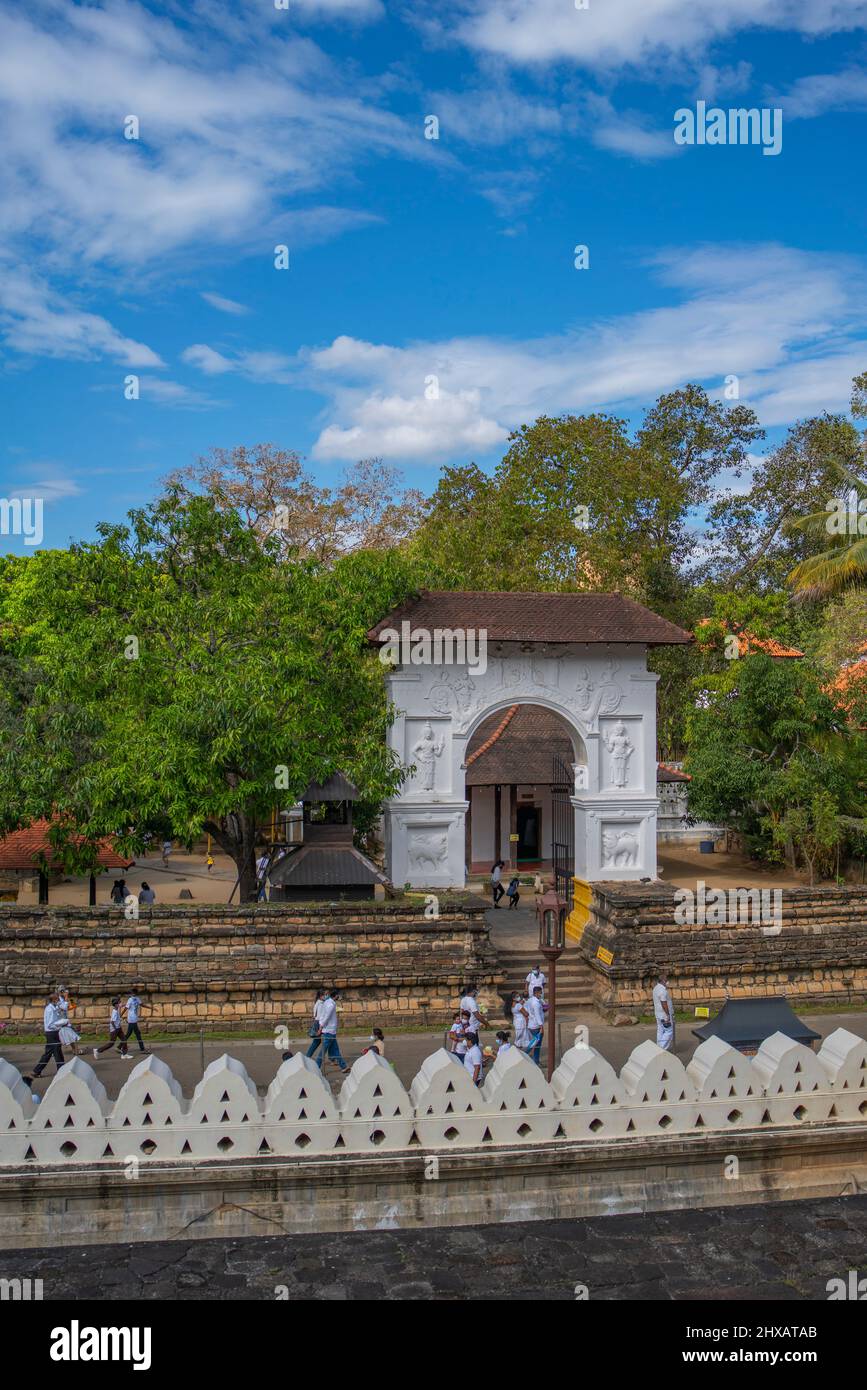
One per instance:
(849,679)
(747,642)
(21,849)
(504,723)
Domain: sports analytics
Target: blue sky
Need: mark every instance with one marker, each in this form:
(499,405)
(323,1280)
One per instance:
(409,257)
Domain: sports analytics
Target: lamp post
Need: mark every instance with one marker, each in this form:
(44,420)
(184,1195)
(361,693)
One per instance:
(551,914)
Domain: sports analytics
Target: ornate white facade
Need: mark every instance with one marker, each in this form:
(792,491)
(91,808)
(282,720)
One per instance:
(607,697)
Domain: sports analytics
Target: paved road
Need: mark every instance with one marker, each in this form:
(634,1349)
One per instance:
(787,1251)
(407,1051)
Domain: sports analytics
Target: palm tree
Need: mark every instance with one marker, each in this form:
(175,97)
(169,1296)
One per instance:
(843,563)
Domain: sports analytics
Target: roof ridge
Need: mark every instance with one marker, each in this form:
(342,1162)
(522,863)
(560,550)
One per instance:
(502,726)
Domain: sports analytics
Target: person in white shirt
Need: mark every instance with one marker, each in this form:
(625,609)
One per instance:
(520,1021)
(52,1022)
(536,1023)
(497,889)
(474,1061)
(116,1035)
(133,1014)
(315,1029)
(328,1028)
(263,864)
(503,1043)
(536,978)
(663,1013)
(470,1005)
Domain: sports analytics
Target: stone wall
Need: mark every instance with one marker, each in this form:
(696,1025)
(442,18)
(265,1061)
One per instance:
(153,1162)
(818,955)
(246,967)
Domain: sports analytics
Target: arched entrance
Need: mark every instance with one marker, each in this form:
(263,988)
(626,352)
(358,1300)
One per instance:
(582,657)
(521,767)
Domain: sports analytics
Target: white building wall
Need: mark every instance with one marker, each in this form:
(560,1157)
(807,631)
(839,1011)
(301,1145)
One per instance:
(605,694)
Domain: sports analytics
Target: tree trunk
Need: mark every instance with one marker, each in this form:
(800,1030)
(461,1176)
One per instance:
(237,836)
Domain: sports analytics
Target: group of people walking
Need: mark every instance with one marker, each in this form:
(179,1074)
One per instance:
(525,1009)
(497,889)
(60,1033)
(323,1032)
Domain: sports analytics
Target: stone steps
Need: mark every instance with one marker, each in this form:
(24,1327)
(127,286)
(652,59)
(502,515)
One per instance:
(574,976)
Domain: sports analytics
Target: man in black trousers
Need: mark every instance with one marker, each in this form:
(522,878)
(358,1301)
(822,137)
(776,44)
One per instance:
(52,1022)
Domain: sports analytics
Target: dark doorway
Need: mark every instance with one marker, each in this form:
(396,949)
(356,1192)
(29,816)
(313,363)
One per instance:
(529,833)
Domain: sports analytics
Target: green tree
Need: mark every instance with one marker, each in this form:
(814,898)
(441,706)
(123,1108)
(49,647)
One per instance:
(183,666)
(753,541)
(765,738)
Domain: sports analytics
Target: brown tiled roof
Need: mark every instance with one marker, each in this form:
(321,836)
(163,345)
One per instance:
(666,773)
(530,617)
(517,747)
(21,850)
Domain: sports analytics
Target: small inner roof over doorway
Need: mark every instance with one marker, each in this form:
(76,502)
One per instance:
(517,745)
(533,617)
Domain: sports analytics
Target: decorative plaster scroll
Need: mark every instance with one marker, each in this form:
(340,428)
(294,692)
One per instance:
(525,679)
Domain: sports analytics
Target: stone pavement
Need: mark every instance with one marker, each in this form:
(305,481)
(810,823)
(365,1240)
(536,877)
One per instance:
(787,1251)
(407,1051)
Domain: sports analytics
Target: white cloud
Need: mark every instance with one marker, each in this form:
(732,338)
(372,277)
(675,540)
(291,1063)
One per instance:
(237,118)
(637,32)
(207,360)
(36,320)
(258,366)
(225,306)
(730,311)
(174,393)
(49,489)
(413,427)
(626,132)
(828,91)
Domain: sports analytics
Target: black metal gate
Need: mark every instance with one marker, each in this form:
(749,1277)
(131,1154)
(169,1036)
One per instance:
(563,828)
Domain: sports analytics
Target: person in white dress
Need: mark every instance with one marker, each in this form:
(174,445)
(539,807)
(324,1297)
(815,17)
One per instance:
(68,1035)
(520,1021)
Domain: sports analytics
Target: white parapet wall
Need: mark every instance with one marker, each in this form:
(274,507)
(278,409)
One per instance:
(151,1121)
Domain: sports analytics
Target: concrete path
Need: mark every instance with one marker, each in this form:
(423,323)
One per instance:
(788,1251)
(407,1051)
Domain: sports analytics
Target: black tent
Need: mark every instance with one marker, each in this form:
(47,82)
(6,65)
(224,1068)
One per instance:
(746,1023)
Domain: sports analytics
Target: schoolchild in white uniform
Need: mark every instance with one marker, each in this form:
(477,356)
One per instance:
(68,1035)
(520,1021)
(116,1035)
(536,1023)
(474,1061)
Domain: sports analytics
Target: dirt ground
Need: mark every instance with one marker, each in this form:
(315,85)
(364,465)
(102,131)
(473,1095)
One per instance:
(680,865)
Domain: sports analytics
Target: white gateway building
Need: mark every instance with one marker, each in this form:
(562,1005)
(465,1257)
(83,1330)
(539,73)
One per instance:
(459,658)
